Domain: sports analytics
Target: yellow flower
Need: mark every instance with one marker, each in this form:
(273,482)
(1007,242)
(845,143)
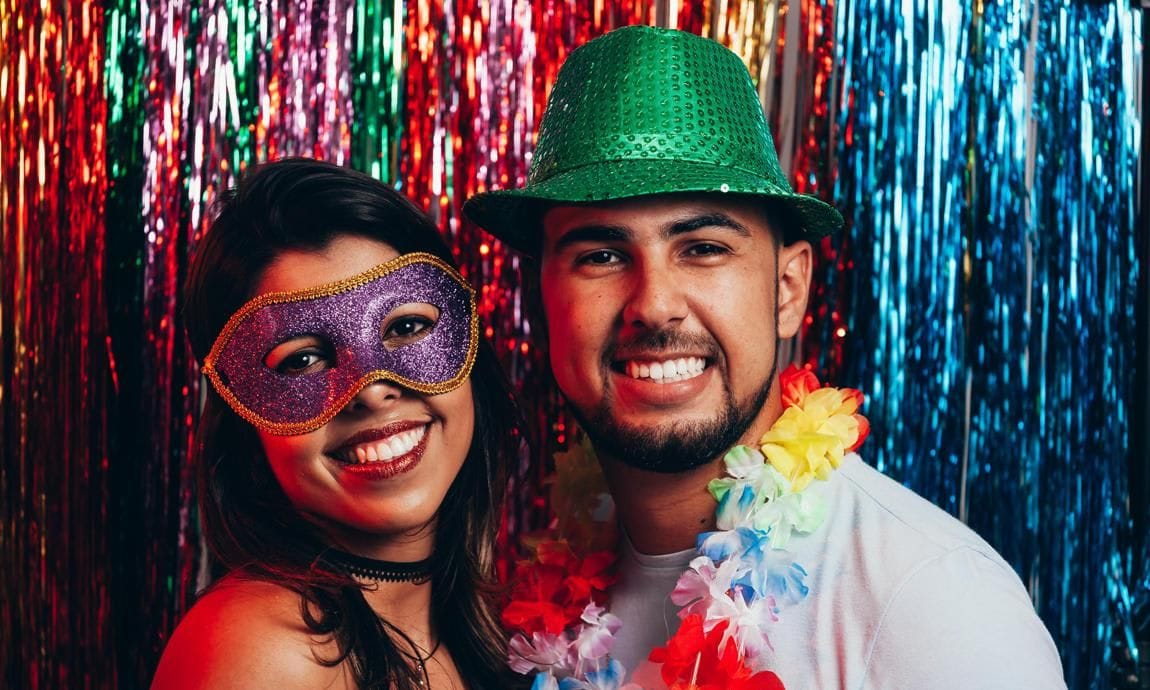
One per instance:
(810,439)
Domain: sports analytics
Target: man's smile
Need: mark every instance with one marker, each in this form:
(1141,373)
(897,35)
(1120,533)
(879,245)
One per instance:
(668,370)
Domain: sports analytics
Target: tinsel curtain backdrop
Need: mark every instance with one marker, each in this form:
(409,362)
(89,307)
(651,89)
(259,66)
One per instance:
(990,295)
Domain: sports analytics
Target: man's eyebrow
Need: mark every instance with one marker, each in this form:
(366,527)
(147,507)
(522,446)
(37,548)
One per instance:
(705,220)
(592,233)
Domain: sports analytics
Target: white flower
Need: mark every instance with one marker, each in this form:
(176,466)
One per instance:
(801,512)
(749,624)
(597,634)
(706,590)
(544,652)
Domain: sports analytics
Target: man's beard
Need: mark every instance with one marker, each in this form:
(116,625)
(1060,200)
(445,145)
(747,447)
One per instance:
(676,446)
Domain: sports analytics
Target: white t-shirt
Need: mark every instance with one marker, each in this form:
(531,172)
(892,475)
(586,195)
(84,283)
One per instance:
(902,595)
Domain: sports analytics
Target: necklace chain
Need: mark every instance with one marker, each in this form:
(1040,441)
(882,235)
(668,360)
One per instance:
(425,680)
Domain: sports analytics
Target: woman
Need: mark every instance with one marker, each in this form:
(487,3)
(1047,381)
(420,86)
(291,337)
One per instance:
(351,450)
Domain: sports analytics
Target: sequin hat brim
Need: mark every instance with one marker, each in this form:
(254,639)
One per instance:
(514,215)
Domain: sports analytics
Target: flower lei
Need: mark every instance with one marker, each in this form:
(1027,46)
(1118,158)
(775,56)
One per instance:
(733,594)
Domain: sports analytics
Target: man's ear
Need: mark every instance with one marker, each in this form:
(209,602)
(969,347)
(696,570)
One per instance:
(795,261)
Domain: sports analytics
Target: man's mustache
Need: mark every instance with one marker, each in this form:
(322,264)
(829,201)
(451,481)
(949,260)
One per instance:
(662,340)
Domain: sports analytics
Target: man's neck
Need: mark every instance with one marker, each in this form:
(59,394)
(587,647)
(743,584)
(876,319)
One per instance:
(664,513)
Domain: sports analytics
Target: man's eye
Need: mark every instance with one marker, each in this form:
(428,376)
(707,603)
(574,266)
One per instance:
(706,249)
(407,329)
(302,362)
(600,257)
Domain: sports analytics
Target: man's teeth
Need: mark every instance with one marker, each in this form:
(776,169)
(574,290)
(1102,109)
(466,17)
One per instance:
(667,371)
(385,449)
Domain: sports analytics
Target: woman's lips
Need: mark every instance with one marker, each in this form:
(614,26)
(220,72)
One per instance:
(412,443)
(381,445)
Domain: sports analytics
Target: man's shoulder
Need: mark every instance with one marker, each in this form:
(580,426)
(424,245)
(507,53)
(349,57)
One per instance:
(873,504)
(878,535)
(908,580)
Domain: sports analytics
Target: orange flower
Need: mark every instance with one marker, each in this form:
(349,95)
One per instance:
(797,383)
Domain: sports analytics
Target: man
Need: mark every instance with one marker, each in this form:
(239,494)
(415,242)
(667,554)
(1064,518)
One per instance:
(673,256)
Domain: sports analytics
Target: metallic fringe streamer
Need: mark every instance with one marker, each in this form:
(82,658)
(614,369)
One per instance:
(1075,399)
(196,94)
(987,171)
(55,618)
(377,69)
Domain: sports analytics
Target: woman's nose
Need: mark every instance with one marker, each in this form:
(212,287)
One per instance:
(374,396)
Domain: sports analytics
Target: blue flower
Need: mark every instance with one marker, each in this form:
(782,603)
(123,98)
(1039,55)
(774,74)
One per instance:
(736,506)
(545,681)
(774,573)
(721,544)
(608,678)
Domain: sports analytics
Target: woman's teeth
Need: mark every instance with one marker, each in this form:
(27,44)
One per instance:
(668,371)
(385,449)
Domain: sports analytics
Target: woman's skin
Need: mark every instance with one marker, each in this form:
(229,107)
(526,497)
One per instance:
(247,633)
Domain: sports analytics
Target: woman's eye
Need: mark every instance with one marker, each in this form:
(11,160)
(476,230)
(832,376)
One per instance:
(406,329)
(302,362)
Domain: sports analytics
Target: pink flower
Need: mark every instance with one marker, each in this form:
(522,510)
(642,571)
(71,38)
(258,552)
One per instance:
(544,651)
(597,634)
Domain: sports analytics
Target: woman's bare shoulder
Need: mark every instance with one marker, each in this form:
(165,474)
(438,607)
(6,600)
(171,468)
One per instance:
(246,633)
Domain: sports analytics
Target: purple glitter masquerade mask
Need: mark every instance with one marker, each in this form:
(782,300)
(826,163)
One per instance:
(351,318)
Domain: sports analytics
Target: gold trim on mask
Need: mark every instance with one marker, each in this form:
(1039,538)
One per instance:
(328,290)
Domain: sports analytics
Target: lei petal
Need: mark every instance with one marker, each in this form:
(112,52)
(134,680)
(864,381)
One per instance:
(797,384)
(544,681)
(597,635)
(722,544)
(774,573)
(808,444)
(705,590)
(544,652)
(698,660)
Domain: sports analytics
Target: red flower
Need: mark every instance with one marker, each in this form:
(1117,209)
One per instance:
(590,576)
(551,591)
(537,600)
(797,384)
(692,661)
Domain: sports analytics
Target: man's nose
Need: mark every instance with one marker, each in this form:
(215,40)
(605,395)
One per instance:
(657,298)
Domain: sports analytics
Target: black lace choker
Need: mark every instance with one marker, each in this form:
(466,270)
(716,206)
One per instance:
(377,570)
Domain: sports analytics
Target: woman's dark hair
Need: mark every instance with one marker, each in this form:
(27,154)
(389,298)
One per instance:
(249,523)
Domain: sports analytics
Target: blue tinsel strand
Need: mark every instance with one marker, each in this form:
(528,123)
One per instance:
(989,179)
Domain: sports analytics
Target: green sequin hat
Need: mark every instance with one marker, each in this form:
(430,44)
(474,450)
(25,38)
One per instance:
(643,110)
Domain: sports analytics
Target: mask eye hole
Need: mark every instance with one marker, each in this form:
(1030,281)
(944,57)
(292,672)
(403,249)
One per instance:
(408,323)
(301,355)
